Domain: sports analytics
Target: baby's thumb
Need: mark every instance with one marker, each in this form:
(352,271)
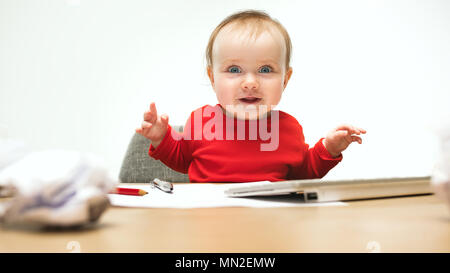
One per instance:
(343,133)
(165,119)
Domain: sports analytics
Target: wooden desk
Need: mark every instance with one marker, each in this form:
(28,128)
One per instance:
(406,224)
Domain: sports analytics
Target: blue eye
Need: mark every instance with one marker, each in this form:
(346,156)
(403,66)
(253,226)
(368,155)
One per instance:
(265,69)
(234,69)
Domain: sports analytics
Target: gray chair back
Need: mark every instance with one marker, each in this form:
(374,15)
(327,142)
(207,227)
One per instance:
(139,167)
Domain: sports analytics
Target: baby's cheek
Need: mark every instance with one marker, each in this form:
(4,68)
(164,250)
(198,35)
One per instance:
(224,96)
(274,97)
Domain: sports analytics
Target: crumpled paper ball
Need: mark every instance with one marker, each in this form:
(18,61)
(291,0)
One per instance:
(440,179)
(55,188)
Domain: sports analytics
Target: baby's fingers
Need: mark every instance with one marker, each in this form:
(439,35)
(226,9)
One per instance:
(351,129)
(151,115)
(165,119)
(358,130)
(346,127)
(146,125)
(356,139)
(153,109)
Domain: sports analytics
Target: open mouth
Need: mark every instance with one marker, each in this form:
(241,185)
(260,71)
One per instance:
(250,100)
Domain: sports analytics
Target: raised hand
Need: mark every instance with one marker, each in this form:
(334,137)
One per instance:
(341,137)
(154,127)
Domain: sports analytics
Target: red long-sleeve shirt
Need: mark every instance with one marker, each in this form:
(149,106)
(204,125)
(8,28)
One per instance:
(215,148)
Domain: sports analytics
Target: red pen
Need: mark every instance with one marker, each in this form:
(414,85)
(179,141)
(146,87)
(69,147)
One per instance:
(129,191)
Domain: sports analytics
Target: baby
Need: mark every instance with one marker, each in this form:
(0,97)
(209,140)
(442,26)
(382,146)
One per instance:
(242,138)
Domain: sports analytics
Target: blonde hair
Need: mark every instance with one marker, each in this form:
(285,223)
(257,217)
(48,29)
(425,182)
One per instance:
(258,20)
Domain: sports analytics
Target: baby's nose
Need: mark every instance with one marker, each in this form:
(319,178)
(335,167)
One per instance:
(250,82)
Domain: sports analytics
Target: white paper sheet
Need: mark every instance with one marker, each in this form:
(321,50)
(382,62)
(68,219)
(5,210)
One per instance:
(205,196)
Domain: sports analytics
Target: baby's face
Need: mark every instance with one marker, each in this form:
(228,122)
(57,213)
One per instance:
(248,75)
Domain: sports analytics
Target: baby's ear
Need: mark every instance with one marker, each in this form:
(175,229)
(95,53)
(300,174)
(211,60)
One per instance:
(210,75)
(287,76)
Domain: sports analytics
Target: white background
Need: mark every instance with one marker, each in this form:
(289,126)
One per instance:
(78,74)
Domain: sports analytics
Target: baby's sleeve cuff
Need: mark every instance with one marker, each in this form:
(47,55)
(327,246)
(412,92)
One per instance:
(323,152)
(156,152)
